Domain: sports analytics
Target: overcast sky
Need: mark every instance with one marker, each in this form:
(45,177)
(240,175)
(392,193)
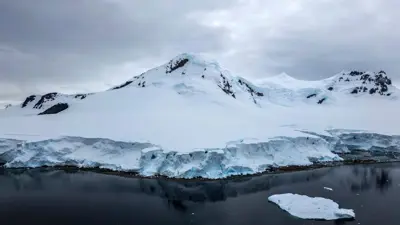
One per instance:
(88,45)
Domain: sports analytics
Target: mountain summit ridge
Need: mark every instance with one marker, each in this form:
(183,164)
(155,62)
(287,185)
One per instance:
(190,74)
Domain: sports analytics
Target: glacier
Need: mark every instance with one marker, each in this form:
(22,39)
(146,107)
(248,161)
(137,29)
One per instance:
(243,157)
(237,158)
(190,118)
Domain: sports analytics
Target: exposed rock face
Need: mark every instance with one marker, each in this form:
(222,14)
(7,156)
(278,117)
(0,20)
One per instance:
(55,109)
(372,83)
(44,101)
(312,95)
(81,96)
(28,100)
(45,98)
(122,85)
(226,86)
(321,100)
(250,89)
(173,65)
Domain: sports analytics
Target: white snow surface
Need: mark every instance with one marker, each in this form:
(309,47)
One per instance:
(305,207)
(196,119)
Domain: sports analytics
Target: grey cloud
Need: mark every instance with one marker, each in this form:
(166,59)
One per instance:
(49,44)
(58,41)
(322,38)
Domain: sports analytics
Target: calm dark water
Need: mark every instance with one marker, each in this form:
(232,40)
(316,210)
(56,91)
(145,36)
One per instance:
(58,197)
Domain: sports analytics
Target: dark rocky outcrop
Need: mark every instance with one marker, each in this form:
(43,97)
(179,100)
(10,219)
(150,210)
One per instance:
(28,100)
(226,86)
(250,89)
(81,96)
(379,80)
(142,84)
(49,97)
(356,73)
(141,76)
(45,98)
(59,107)
(321,100)
(365,78)
(360,89)
(312,95)
(178,64)
(354,91)
(122,85)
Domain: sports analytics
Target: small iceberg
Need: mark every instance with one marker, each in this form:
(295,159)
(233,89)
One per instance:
(305,207)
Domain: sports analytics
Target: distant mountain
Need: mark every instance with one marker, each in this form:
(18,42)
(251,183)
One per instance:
(189,74)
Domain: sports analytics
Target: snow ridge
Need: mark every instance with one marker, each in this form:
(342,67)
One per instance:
(190,74)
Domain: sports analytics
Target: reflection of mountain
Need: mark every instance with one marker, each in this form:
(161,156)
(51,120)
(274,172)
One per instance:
(356,178)
(364,178)
(172,190)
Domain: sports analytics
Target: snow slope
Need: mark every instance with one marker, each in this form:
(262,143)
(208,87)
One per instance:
(306,207)
(190,118)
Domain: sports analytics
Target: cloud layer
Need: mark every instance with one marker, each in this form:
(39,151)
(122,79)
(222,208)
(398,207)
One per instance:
(87,45)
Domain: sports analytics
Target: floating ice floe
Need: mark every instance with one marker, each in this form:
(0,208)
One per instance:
(306,207)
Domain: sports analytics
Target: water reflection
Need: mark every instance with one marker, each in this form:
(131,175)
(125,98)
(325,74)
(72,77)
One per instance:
(177,205)
(383,181)
(172,190)
(99,197)
(368,177)
(357,178)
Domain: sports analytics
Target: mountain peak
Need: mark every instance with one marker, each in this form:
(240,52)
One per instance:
(360,82)
(190,58)
(190,74)
(284,76)
(183,66)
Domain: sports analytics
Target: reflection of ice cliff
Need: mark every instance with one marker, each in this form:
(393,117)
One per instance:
(354,178)
(194,191)
(180,194)
(364,178)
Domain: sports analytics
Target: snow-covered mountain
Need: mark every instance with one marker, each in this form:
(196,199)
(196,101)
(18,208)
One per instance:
(189,118)
(190,75)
